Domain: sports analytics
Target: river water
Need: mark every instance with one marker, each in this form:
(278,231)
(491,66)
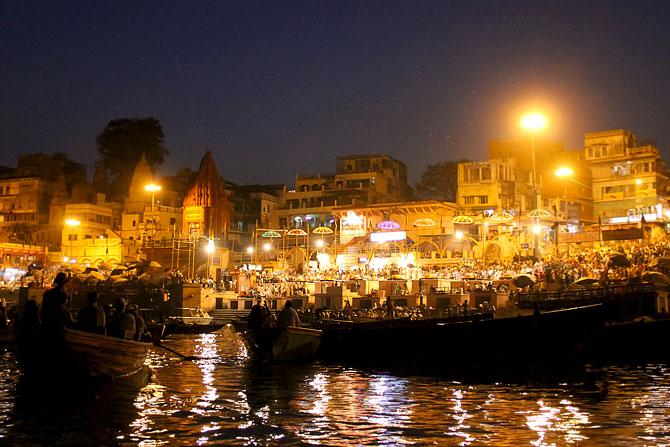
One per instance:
(225,399)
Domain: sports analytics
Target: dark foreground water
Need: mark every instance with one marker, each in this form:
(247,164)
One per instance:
(227,400)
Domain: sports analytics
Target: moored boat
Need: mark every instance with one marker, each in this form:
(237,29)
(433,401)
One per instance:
(283,344)
(100,355)
(548,339)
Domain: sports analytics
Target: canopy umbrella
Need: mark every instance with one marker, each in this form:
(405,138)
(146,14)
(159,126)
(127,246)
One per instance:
(388,225)
(539,213)
(77,269)
(523,280)
(296,232)
(462,220)
(271,234)
(656,278)
(90,269)
(322,230)
(424,222)
(618,260)
(501,216)
(117,272)
(120,267)
(120,280)
(154,265)
(97,275)
(585,282)
(105,266)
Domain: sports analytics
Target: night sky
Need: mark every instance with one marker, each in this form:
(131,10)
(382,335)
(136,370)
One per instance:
(279,88)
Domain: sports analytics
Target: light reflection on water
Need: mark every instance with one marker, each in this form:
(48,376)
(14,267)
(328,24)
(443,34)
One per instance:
(224,398)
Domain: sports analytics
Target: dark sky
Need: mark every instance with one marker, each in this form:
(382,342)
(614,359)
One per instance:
(279,88)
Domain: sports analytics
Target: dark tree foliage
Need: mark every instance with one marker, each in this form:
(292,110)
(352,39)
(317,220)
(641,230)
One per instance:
(121,145)
(439,181)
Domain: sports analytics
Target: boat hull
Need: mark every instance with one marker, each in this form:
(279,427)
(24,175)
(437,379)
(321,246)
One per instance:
(106,356)
(549,339)
(296,343)
(283,344)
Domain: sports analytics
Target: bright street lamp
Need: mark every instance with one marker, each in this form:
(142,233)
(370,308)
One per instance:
(210,246)
(267,246)
(564,171)
(534,122)
(72,223)
(319,243)
(458,235)
(152,188)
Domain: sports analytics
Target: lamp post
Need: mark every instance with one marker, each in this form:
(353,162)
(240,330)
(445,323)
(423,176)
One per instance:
(152,188)
(250,252)
(209,249)
(71,223)
(532,123)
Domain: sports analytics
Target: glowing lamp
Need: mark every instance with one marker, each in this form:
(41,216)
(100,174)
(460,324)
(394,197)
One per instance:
(534,121)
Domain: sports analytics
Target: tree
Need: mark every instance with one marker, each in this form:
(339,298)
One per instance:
(121,145)
(439,181)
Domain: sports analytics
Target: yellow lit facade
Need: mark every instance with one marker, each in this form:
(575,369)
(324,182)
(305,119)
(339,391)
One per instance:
(88,237)
(628,179)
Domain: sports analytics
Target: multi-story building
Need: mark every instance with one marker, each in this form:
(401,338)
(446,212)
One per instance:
(629,179)
(487,186)
(88,237)
(358,180)
(251,208)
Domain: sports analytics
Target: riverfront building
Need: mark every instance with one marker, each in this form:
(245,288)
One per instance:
(629,179)
(359,180)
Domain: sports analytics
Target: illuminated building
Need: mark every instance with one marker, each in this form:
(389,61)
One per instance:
(628,178)
(359,180)
(88,237)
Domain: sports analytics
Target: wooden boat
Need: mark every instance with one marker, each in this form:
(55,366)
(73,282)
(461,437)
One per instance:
(283,344)
(551,339)
(106,356)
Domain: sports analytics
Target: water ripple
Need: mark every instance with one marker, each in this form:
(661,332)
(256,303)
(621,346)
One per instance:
(225,398)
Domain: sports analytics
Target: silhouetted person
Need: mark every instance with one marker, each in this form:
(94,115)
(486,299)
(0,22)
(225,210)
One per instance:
(91,318)
(255,319)
(288,316)
(55,316)
(122,324)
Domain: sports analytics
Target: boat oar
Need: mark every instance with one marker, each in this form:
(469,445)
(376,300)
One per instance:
(184,357)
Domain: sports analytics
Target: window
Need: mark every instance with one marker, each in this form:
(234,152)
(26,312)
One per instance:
(469,200)
(590,152)
(486,173)
(483,199)
(604,151)
(473,175)
(71,237)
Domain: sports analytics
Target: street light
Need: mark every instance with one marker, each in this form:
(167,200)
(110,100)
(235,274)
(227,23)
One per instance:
(533,122)
(152,188)
(72,223)
(250,252)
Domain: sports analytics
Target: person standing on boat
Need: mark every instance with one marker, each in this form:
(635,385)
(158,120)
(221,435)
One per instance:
(55,316)
(91,318)
(122,324)
(255,320)
(288,316)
